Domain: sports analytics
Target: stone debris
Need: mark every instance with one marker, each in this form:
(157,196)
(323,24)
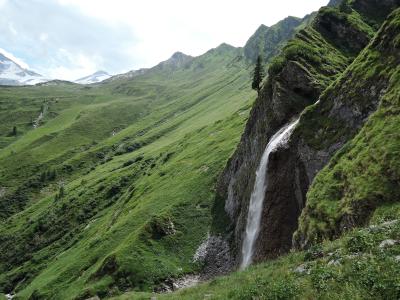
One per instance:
(201,251)
(388,243)
(302,269)
(171,285)
(334,263)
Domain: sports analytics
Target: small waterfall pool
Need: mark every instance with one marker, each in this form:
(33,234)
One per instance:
(257,197)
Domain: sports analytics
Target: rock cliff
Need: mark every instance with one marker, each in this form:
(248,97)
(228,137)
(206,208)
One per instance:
(313,62)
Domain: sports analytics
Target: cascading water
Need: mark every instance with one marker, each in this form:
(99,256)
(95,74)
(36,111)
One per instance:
(258,194)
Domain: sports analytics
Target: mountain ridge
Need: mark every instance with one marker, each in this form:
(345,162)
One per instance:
(307,66)
(121,176)
(96,77)
(11,73)
(144,123)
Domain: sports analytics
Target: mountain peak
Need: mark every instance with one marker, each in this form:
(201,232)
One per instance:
(261,28)
(100,72)
(11,73)
(177,60)
(263,39)
(225,47)
(96,77)
(179,55)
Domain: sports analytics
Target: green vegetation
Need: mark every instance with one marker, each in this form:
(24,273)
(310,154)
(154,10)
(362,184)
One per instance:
(101,196)
(363,264)
(365,173)
(109,188)
(268,41)
(258,75)
(360,186)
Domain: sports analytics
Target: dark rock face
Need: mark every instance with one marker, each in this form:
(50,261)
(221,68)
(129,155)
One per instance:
(217,258)
(375,11)
(293,168)
(336,26)
(287,185)
(271,111)
(347,108)
(276,106)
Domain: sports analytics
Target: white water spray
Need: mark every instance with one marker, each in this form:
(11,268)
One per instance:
(258,194)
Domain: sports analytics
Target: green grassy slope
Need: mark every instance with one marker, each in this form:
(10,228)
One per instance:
(365,174)
(362,180)
(267,41)
(103,193)
(360,265)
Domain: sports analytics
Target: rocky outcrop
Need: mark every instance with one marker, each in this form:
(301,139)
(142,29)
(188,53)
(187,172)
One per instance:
(267,41)
(297,79)
(334,2)
(342,112)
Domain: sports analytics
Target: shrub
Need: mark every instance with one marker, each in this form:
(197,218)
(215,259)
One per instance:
(314,252)
(276,66)
(359,242)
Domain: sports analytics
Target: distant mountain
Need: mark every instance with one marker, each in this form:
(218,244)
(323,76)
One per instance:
(177,61)
(55,82)
(12,73)
(128,75)
(97,77)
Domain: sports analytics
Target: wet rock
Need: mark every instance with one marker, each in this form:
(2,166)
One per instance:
(291,170)
(216,257)
(201,251)
(174,284)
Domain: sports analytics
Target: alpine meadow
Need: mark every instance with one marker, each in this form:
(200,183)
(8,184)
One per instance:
(268,171)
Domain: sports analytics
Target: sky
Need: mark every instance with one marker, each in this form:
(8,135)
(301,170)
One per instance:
(69,39)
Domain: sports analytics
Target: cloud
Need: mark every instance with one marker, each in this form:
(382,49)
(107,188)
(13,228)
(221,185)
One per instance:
(61,41)
(120,35)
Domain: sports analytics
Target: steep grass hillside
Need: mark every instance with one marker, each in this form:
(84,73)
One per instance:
(359,187)
(363,264)
(267,41)
(99,197)
(100,184)
(307,65)
(364,174)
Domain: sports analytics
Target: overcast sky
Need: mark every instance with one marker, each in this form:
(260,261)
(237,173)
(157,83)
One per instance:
(68,39)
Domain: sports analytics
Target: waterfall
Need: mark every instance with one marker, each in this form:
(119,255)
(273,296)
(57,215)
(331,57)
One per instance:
(258,194)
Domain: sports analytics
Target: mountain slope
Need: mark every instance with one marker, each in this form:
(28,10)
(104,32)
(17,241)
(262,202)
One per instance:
(364,174)
(96,77)
(101,186)
(310,62)
(13,74)
(127,156)
(359,187)
(115,173)
(267,41)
